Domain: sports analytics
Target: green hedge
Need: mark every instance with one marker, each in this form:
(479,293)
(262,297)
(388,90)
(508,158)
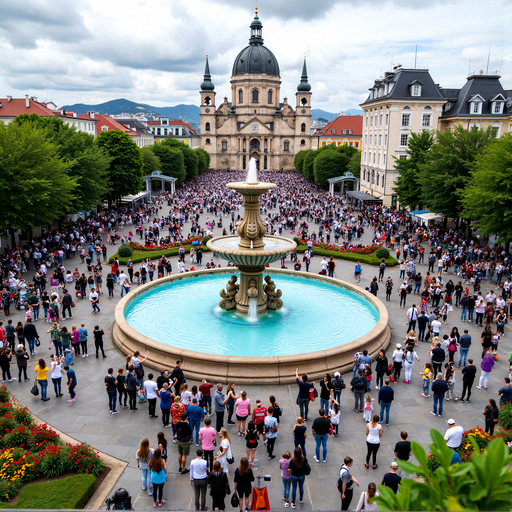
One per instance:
(369,259)
(139,256)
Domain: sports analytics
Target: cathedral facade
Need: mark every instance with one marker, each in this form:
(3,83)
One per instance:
(255,123)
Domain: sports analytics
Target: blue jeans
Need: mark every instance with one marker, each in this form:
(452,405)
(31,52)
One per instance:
(44,386)
(146,479)
(95,307)
(58,347)
(112,399)
(417,287)
(337,395)
(438,399)
(470,314)
(31,345)
(463,312)
(197,426)
(324,404)
(287,482)
(57,385)
(321,439)
(300,481)
(207,404)
(463,359)
(35,309)
(385,407)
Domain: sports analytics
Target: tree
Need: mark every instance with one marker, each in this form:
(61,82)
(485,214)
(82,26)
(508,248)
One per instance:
(447,171)
(330,164)
(307,166)
(298,162)
(407,186)
(172,162)
(150,160)
(125,170)
(189,157)
(35,187)
(354,164)
(488,199)
(203,160)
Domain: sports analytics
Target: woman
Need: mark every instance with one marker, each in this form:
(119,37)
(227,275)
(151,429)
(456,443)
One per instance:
(19,334)
(224,450)
(110,286)
(21,359)
(243,482)
(158,467)
(411,339)
(480,310)
(486,366)
(486,339)
(366,498)
(162,444)
(298,469)
(243,409)
(252,437)
(232,398)
(165,404)
(218,483)
(325,392)
(41,370)
(373,434)
(402,292)
(186,395)
(57,375)
(501,319)
(408,361)
(381,366)
(75,340)
(491,413)
(143,456)
(65,338)
(5,364)
(45,301)
(449,378)
(121,381)
(284,464)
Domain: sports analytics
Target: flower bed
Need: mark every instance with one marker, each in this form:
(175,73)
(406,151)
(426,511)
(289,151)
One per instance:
(154,247)
(354,249)
(28,451)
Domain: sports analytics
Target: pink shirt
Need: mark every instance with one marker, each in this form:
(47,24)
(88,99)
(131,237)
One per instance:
(207,435)
(242,407)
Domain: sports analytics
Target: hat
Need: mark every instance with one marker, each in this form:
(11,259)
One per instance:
(398,345)
(451,421)
(393,465)
(336,374)
(194,400)
(219,385)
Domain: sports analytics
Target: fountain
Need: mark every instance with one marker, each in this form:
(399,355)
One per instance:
(251,251)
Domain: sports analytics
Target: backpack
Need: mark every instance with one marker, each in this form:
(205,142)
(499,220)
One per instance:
(340,481)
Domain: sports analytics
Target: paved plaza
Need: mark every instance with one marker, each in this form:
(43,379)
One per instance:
(88,419)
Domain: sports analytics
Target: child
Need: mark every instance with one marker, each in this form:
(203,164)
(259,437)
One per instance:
(427,375)
(28,313)
(299,435)
(284,462)
(368,374)
(368,408)
(495,340)
(334,413)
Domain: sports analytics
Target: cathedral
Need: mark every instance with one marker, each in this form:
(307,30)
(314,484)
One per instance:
(255,123)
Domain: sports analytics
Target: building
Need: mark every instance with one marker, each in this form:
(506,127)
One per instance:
(166,127)
(255,123)
(140,133)
(343,130)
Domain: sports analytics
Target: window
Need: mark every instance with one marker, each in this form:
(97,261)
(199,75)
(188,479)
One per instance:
(302,142)
(255,96)
(373,176)
(403,139)
(373,158)
(387,115)
(416,90)
(380,140)
(406,119)
(224,145)
(351,144)
(207,100)
(303,127)
(344,132)
(364,175)
(350,132)
(269,101)
(164,122)
(366,121)
(265,162)
(370,139)
(286,145)
(476,107)
(357,145)
(384,159)
(207,141)
(158,131)
(371,120)
(240,96)
(386,139)
(402,157)
(377,181)
(304,102)
(425,121)
(244,145)
(165,131)
(333,132)
(207,127)
(498,105)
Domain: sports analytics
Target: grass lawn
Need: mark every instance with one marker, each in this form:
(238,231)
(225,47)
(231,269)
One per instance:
(72,492)
(369,259)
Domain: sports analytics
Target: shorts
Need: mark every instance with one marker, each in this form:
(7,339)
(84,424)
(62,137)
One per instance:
(260,427)
(243,492)
(241,418)
(184,448)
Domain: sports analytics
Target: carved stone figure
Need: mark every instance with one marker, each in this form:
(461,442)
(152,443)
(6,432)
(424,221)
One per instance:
(228,295)
(252,292)
(273,296)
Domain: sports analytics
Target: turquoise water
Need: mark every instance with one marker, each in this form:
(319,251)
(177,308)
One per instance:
(315,316)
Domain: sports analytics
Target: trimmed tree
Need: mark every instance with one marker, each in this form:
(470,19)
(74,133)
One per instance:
(298,162)
(203,160)
(329,164)
(189,156)
(172,162)
(151,161)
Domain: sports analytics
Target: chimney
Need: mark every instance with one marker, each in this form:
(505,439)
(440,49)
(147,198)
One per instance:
(9,98)
(91,114)
(74,114)
(27,101)
(342,113)
(34,98)
(397,68)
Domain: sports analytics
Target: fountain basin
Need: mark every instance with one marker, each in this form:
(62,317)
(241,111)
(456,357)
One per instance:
(316,357)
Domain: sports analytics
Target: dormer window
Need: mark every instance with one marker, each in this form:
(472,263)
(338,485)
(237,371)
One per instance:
(415,88)
(333,132)
(475,105)
(497,104)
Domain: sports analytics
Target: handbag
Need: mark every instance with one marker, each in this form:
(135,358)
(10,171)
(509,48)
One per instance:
(235,500)
(35,389)
(331,429)
(38,342)
(364,501)
(72,304)
(307,468)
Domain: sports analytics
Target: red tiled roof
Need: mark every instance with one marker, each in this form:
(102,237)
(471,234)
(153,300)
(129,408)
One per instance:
(104,120)
(172,122)
(354,123)
(17,106)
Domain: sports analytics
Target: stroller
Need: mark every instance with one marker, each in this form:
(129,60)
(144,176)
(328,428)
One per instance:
(121,500)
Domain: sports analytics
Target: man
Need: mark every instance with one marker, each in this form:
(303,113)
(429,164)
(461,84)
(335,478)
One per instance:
(402,449)
(468,377)
(438,356)
(177,377)
(94,299)
(464,344)
(111,386)
(10,334)
(205,388)
(382,269)
(131,387)
(357,272)
(330,267)
(453,436)
(412,317)
(220,406)
(360,386)
(364,360)
(271,427)
(324,267)
(183,435)
(505,392)
(162,379)
(391,479)
(259,413)
(66,302)
(71,382)
(303,397)
(30,334)
(320,431)
(195,417)
(386,396)
(152,394)
(422,326)
(199,479)
(439,388)
(436,326)
(464,303)
(345,483)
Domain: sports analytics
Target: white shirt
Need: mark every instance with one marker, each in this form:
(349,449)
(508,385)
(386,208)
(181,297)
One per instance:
(93,296)
(122,278)
(150,387)
(436,325)
(198,469)
(453,436)
(398,356)
(412,314)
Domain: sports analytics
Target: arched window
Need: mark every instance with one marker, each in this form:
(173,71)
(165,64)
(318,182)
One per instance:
(207,127)
(255,96)
(286,145)
(304,102)
(303,127)
(364,174)
(240,96)
(224,145)
(377,180)
(373,176)
(207,141)
(302,142)
(270,97)
(207,100)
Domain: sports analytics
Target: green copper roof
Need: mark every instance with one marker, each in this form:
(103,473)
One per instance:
(207,84)
(304,85)
(256,22)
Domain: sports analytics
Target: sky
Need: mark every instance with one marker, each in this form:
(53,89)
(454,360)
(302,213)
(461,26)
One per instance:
(153,51)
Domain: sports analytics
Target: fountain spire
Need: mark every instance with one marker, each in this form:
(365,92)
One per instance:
(252,173)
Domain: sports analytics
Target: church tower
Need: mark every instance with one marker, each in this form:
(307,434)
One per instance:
(303,105)
(208,110)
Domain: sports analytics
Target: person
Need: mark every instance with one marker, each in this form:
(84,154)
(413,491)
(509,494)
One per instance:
(230,404)
(320,431)
(284,464)
(337,385)
(381,366)
(357,272)
(391,479)
(360,387)
(30,334)
(131,387)
(398,357)
(158,468)
(464,345)
(366,498)
(423,321)
(439,388)
(386,396)
(177,377)
(259,413)
(224,450)
(67,304)
(199,479)
(205,390)
(505,392)
(123,394)
(208,439)
(449,377)
(325,391)
(243,482)
(486,366)
(271,427)
(303,398)
(143,456)
(177,409)
(72,382)
(195,418)
(334,416)
(184,436)
(41,370)
(165,404)
(438,356)
(98,341)
(402,449)
(408,362)
(427,376)
(21,360)
(220,407)
(298,469)
(299,435)
(94,299)
(111,386)
(251,442)
(346,482)
(243,409)
(82,337)
(218,483)
(368,408)
(162,444)
(412,317)
(453,436)
(5,363)
(374,432)
(389,288)
(468,378)
(152,394)
(491,413)
(402,292)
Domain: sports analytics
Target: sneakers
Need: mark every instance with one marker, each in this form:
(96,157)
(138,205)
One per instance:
(292,505)
(301,500)
(115,412)
(185,471)
(286,504)
(161,503)
(432,412)
(478,387)
(71,400)
(12,380)
(316,460)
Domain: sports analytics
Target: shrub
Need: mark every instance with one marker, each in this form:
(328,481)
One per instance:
(296,239)
(125,251)
(18,465)
(205,239)
(83,459)
(382,253)
(23,417)
(9,489)
(54,461)
(41,437)
(505,417)
(4,395)
(7,423)
(18,436)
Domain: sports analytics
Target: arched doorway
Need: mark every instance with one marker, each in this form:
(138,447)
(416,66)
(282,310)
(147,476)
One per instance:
(254,144)
(256,156)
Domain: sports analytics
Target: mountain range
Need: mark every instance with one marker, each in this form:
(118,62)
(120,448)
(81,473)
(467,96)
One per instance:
(188,113)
